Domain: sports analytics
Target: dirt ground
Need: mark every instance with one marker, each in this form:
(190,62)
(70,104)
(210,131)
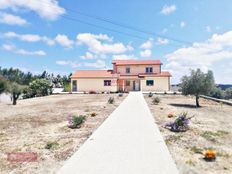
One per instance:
(211,127)
(33,123)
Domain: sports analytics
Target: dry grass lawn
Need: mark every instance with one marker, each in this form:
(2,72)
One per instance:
(210,128)
(32,123)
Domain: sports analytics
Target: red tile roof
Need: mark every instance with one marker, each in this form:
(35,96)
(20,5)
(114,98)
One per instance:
(162,74)
(137,62)
(93,73)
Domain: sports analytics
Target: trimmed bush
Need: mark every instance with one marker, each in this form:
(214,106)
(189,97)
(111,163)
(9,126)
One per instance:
(156,101)
(111,100)
(75,121)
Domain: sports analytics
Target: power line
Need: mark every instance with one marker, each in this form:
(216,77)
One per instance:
(98,26)
(129,27)
(117,24)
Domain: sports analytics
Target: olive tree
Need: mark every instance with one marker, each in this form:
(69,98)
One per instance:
(15,90)
(198,83)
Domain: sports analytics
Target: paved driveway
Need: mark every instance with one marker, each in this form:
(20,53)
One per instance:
(128,142)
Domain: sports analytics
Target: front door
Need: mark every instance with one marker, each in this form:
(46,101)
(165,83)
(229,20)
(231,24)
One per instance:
(74,86)
(136,85)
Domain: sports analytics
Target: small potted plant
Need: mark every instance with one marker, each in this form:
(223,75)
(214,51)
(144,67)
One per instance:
(170,115)
(210,155)
(150,94)
(93,114)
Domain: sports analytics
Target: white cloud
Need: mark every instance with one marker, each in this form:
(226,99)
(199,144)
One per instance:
(12,48)
(30,53)
(99,64)
(69,63)
(148,44)
(146,53)
(47,9)
(208,29)
(62,62)
(166,10)
(123,57)
(205,55)
(8,47)
(10,19)
(28,37)
(182,24)
(96,45)
(64,41)
(162,41)
(88,55)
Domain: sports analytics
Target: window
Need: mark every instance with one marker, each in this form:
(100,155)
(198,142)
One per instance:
(127,83)
(149,70)
(107,82)
(127,69)
(150,82)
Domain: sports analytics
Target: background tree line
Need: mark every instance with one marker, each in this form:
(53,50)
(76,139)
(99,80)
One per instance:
(27,85)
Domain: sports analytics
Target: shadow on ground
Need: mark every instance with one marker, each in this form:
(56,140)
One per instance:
(183,105)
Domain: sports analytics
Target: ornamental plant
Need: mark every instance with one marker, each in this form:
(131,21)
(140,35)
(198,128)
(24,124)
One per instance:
(75,121)
(181,123)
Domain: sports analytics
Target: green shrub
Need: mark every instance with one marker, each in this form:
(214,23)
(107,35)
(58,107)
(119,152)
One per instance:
(217,93)
(67,87)
(156,100)
(51,145)
(75,121)
(78,120)
(40,87)
(111,100)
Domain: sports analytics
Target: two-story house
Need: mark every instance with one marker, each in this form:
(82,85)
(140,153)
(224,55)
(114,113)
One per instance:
(127,75)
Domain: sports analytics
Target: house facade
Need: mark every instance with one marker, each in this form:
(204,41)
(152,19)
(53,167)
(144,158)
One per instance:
(126,75)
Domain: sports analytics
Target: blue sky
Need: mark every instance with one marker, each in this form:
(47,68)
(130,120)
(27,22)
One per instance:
(48,35)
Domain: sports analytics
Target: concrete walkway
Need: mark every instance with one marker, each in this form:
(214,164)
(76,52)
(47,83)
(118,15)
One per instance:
(128,142)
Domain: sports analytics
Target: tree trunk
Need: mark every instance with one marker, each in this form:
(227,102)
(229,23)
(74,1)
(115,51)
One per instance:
(197,101)
(15,97)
